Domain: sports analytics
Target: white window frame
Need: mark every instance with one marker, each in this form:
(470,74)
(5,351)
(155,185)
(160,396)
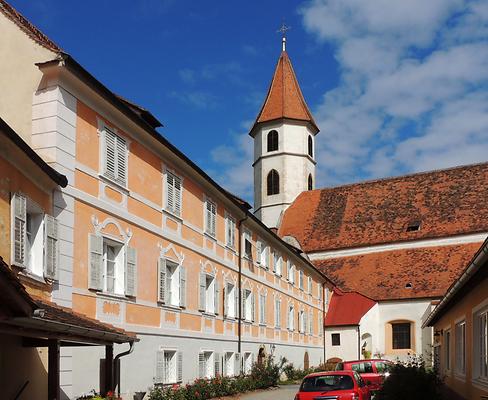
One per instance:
(301,321)
(210,216)
(170,372)
(209,363)
(120,181)
(210,282)
(173,280)
(309,284)
(247,299)
(229,364)
(264,255)
(480,344)
(247,363)
(277,312)
(230,301)
(247,249)
(278,263)
(177,195)
(230,231)
(119,267)
(291,318)
(262,309)
(460,348)
(291,278)
(300,279)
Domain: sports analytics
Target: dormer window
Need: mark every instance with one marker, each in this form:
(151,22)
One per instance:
(273,140)
(413,226)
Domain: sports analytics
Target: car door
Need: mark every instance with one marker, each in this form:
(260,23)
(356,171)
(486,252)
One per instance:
(362,387)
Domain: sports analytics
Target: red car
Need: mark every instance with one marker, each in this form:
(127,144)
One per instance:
(373,372)
(336,385)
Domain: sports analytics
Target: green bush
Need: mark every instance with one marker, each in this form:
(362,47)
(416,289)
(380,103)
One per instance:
(411,380)
(262,376)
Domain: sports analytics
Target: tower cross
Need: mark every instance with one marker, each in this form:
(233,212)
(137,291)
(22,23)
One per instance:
(283,30)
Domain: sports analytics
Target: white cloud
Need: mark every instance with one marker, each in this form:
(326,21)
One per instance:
(413,87)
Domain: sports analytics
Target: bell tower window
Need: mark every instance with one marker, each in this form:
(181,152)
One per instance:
(273,182)
(273,140)
(310,182)
(310,147)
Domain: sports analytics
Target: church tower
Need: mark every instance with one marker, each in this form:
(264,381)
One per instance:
(284,145)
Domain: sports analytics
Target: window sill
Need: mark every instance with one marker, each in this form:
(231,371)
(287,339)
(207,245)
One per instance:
(170,307)
(230,319)
(172,214)
(481,383)
(26,275)
(210,236)
(231,248)
(111,182)
(112,295)
(247,321)
(262,325)
(208,314)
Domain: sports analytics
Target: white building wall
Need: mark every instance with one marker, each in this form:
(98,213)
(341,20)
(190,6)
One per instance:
(348,350)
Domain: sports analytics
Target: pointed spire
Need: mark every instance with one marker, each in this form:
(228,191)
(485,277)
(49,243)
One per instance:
(284,98)
(283,30)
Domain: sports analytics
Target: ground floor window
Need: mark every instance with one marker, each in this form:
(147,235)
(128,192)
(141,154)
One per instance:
(460,348)
(480,334)
(401,335)
(248,360)
(208,364)
(229,364)
(169,366)
(447,350)
(336,339)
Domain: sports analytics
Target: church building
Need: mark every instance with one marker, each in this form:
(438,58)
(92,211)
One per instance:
(392,246)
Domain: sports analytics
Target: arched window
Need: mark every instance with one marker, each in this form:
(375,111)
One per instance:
(272,140)
(273,182)
(310,182)
(310,146)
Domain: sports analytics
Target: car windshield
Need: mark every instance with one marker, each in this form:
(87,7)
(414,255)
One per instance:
(327,383)
(364,367)
(382,367)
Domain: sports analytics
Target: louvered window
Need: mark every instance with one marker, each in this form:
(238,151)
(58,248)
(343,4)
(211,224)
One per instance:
(115,151)
(277,313)
(230,232)
(248,361)
(291,318)
(169,366)
(210,217)
(173,193)
(300,279)
(262,309)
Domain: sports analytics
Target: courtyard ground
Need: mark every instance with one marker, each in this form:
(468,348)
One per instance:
(286,392)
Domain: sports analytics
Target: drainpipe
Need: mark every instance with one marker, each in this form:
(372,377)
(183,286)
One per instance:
(239,320)
(323,320)
(116,366)
(359,343)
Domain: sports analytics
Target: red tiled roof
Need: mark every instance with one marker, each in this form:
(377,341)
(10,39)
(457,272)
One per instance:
(384,275)
(26,26)
(445,202)
(347,308)
(284,98)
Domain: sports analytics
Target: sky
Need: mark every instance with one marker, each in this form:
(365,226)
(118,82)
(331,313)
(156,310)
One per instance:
(395,86)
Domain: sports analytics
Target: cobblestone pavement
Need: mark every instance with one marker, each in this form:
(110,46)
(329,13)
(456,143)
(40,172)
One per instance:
(286,392)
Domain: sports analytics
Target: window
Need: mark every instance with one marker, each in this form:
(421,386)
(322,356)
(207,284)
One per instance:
(248,305)
(231,364)
(363,367)
(208,364)
(34,238)
(115,156)
(248,361)
(291,274)
(231,301)
(447,349)
(272,140)
(113,266)
(209,294)
(278,264)
(309,284)
(310,146)
(263,257)
(301,322)
(247,245)
(173,193)
(300,279)
(262,309)
(480,333)
(172,283)
(401,335)
(310,182)
(273,182)
(460,348)
(291,318)
(336,339)
(310,323)
(230,232)
(169,367)
(210,217)
(277,313)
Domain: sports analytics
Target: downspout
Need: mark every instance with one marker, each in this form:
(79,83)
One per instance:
(116,366)
(359,342)
(323,320)
(239,320)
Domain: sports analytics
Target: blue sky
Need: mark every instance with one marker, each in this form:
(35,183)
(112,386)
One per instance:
(396,86)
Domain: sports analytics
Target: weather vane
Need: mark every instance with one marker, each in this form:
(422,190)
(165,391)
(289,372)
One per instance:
(283,30)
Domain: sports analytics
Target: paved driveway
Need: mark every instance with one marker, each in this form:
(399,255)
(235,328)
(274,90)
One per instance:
(286,392)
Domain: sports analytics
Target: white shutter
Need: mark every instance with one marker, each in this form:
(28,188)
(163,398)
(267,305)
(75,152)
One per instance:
(201,365)
(224,364)
(110,154)
(310,323)
(50,247)
(182,286)
(237,364)
(121,161)
(225,302)
(217,364)
(162,280)
(266,257)
(160,366)
(216,296)
(179,366)
(170,192)
(243,304)
(20,218)
(178,196)
(202,305)
(95,280)
(253,303)
(236,302)
(259,246)
(130,271)
(214,217)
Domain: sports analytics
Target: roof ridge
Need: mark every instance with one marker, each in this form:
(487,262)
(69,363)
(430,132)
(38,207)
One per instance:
(397,177)
(28,27)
